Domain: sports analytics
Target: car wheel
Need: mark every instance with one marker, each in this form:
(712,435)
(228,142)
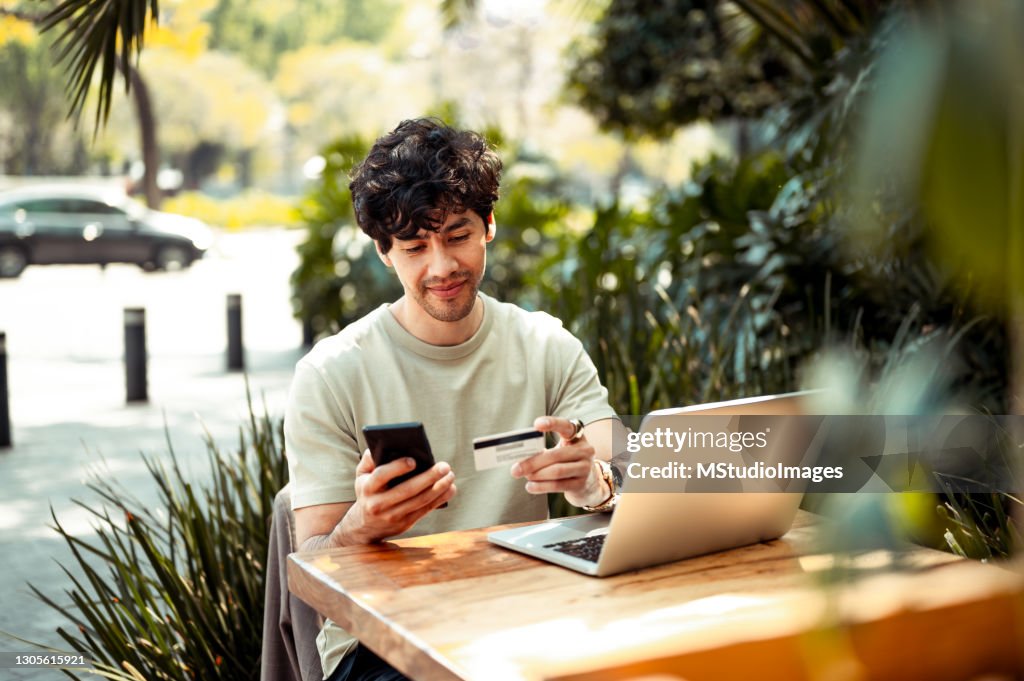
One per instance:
(172,258)
(13,261)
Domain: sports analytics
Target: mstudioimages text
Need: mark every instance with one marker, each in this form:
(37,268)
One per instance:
(676,470)
(677,440)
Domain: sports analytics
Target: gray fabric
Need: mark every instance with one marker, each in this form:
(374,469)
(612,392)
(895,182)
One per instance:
(290,626)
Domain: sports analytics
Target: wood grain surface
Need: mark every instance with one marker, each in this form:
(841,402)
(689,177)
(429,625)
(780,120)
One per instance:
(453,606)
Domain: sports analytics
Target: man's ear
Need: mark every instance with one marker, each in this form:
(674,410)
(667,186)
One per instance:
(381,254)
(492,227)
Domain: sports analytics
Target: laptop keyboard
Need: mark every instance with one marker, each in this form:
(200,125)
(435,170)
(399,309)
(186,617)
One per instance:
(587,548)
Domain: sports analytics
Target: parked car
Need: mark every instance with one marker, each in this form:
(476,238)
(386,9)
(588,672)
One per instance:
(45,225)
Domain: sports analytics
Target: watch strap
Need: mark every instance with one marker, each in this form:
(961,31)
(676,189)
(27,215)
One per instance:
(608,504)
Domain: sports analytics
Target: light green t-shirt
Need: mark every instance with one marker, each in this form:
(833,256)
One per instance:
(518,365)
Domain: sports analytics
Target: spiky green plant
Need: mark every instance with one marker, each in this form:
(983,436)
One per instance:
(175,590)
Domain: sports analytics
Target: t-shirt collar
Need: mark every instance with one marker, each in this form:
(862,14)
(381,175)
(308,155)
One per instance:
(399,335)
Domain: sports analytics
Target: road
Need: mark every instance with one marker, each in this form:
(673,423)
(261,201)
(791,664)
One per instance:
(65,333)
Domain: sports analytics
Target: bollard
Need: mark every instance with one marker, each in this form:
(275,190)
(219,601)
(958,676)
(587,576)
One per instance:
(5,407)
(135,354)
(236,353)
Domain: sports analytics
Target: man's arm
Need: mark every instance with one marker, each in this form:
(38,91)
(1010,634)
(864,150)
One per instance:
(378,512)
(314,525)
(601,436)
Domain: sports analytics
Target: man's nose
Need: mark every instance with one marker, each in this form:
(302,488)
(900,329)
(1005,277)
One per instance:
(442,263)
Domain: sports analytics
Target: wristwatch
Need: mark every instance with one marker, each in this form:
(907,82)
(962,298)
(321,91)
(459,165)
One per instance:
(613,478)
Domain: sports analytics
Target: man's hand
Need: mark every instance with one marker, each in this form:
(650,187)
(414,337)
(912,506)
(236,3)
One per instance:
(568,467)
(379,512)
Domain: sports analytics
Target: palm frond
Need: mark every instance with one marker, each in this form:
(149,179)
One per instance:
(97,33)
(781,26)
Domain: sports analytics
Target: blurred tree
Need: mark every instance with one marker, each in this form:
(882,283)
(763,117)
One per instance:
(103,37)
(34,140)
(95,35)
(262,31)
(105,34)
(653,66)
(211,104)
(92,34)
(345,89)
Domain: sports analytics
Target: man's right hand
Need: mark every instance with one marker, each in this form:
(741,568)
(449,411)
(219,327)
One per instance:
(379,512)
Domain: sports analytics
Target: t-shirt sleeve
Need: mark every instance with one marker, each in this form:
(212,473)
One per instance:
(320,441)
(578,392)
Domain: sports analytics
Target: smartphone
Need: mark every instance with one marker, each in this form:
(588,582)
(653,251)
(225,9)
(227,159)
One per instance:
(390,441)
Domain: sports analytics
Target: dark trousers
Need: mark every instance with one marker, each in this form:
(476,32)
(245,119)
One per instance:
(364,665)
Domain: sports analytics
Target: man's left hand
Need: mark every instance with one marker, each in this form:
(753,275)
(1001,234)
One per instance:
(567,467)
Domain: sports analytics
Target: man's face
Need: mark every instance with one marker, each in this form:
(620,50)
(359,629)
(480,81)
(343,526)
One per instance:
(441,271)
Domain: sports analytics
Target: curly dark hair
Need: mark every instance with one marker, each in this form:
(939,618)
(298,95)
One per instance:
(420,173)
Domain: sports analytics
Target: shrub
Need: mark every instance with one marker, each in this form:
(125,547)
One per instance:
(176,590)
(252,208)
(336,281)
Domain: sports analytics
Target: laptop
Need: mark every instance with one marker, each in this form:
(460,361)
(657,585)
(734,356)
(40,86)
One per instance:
(651,528)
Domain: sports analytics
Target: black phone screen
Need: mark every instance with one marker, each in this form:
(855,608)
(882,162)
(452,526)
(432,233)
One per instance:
(391,441)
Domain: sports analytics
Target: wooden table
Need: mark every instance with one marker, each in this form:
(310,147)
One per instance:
(452,606)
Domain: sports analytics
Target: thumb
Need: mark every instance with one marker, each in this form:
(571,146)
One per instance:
(366,465)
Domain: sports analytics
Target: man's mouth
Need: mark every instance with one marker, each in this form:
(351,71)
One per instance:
(447,290)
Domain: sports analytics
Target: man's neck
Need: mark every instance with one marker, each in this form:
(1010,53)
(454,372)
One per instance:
(416,321)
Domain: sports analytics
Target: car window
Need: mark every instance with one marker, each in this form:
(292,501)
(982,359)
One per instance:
(94,207)
(46,206)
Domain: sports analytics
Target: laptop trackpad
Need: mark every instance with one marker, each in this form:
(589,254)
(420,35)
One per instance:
(587,524)
(553,531)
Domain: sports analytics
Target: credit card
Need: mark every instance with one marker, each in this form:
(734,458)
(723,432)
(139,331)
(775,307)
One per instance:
(502,449)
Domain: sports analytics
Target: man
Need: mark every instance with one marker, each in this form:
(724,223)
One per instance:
(446,355)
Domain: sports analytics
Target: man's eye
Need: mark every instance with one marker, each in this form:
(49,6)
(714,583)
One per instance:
(413,249)
(460,237)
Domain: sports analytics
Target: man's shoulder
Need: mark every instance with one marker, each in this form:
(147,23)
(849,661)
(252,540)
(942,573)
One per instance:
(528,322)
(351,345)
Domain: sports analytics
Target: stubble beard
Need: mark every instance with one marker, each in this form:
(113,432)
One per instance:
(457,308)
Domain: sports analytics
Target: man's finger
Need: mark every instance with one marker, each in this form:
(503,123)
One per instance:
(577,451)
(552,486)
(427,498)
(564,428)
(424,480)
(561,471)
(382,475)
